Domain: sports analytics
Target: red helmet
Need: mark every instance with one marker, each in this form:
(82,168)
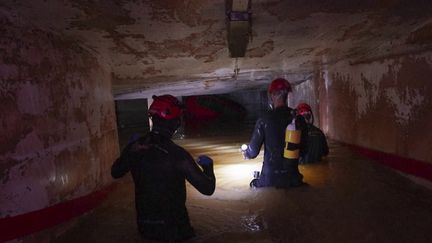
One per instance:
(304,108)
(166,106)
(279,84)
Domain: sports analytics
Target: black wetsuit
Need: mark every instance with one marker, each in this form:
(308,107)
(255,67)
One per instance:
(270,129)
(159,168)
(316,145)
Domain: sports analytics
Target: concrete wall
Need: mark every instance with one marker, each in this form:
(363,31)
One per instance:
(307,92)
(383,104)
(58,134)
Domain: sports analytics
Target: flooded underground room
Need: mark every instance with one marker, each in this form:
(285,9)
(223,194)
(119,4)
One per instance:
(210,121)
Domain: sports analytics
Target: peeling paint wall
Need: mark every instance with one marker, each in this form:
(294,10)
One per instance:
(58,133)
(306,92)
(383,104)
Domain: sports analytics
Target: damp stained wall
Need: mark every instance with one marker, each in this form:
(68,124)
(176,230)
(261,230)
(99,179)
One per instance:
(381,104)
(306,92)
(58,134)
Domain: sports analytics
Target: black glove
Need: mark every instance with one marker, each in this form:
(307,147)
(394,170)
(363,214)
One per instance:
(204,161)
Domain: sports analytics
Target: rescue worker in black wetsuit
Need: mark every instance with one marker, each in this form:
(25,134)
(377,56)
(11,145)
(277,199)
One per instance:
(316,146)
(277,171)
(159,168)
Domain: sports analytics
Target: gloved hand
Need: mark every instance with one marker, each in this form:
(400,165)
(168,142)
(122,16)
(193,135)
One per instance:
(204,161)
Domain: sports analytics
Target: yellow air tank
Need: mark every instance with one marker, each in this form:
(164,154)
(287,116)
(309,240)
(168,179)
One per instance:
(292,141)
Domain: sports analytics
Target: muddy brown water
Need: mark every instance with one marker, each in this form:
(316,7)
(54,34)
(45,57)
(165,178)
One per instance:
(347,198)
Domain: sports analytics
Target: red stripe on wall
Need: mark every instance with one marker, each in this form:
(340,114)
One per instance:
(409,166)
(25,224)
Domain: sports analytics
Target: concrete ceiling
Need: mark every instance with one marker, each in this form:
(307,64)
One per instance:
(180,46)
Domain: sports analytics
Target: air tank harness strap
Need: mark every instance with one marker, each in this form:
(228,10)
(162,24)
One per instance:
(292,146)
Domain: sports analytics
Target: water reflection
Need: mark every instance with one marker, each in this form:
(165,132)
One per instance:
(252,223)
(344,195)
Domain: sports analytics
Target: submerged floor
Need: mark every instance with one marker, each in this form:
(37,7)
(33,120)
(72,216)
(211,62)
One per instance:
(347,199)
